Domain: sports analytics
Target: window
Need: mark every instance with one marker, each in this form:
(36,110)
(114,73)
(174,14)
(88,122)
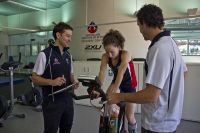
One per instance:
(183,46)
(194,47)
(186,33)
(34,50)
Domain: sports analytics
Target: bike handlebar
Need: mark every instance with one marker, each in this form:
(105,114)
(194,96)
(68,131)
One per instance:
(93,84)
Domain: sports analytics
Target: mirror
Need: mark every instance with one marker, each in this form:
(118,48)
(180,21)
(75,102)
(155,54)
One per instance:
(27,26)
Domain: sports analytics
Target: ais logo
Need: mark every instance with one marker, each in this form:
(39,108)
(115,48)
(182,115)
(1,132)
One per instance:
(93,47)
(92,28)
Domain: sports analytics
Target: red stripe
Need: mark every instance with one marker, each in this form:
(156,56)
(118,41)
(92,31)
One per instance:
(133,76)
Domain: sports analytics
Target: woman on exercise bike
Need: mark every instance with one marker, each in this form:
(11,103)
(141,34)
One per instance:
(121,64)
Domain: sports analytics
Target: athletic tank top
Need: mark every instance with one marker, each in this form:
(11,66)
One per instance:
(129,78)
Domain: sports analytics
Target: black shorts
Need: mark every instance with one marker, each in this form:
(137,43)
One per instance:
(147,131)
(127,90)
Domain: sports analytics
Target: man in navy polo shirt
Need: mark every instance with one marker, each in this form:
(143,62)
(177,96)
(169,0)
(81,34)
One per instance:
(162,97)
(53,71)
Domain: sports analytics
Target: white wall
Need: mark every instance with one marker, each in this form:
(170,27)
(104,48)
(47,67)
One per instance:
(178,8)
(114,10)
(191,59)
(191,110)
(107,14)
(134,43)
(74,12)
(3,22)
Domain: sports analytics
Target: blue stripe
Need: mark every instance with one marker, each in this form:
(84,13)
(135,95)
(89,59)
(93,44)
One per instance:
(170,84)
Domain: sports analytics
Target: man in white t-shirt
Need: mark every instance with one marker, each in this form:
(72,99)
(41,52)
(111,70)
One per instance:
(162,97)
(53,71)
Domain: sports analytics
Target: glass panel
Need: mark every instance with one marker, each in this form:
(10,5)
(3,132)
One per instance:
(183,46)
(27,50)
(34,50)
(14,50)
(194,47)
(21,49)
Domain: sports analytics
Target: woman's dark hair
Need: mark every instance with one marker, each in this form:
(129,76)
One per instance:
(60,27)
(115,38)
(151,15)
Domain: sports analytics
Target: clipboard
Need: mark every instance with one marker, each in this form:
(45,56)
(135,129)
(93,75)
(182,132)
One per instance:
(63,89)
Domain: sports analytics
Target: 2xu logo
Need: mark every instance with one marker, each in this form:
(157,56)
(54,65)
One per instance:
(93,47)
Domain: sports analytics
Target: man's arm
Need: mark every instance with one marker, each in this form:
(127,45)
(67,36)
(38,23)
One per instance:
(39,69)
(37,79)
(72,79)
(148,95)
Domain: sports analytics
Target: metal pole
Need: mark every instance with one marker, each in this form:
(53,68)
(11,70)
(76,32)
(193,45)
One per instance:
(11,87)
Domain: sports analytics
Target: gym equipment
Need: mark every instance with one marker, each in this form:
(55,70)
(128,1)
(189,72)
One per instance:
(51,42)
(93,84)
(6,107)
(34,96)
(5,81)
(14,64)
(31,98)
(1,55)
(106,120)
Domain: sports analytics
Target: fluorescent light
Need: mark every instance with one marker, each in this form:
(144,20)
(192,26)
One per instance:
(20,4)
(13,28)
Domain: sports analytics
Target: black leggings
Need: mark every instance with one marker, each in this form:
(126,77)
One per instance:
(147,131)
(58,114)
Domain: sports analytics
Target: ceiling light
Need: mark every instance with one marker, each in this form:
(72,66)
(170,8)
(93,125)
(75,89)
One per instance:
(27,6)
(13,28)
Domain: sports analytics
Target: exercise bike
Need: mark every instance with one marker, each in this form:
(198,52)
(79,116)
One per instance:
(32,97)
(106,123)
(6,107)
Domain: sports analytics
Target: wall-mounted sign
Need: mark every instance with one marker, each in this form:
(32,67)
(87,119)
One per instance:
(92,28)
(93,39)
(93,47)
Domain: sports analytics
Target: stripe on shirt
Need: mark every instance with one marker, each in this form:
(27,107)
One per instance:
(132,75)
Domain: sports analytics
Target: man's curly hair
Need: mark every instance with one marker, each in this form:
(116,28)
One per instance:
(151,15)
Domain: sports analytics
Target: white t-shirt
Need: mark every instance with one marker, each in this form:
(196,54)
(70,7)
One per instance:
(40,64)
(161,58)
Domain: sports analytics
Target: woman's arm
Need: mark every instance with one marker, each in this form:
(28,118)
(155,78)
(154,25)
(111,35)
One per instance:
(125,58)
(103,68)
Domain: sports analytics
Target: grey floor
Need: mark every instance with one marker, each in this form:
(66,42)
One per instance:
(33,123)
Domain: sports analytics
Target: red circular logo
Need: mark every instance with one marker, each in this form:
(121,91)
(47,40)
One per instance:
(92,28)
